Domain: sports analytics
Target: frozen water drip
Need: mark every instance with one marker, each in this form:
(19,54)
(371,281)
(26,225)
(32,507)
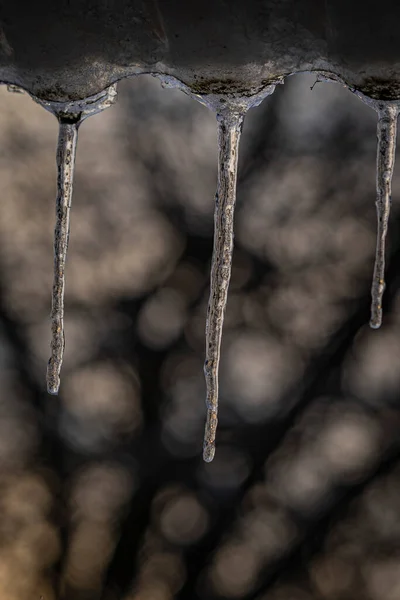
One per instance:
(230,110)
(70,116)
(388,112)
(229,130)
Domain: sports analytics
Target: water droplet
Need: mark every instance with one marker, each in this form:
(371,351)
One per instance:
(70,116)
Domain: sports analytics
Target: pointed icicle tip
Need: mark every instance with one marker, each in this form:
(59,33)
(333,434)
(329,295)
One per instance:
(386,134)
(229,130)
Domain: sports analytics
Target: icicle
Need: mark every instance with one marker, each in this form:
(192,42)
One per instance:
(388,111)
(386,133)
(70,116)
(231,109)
(229,130)
(66,150)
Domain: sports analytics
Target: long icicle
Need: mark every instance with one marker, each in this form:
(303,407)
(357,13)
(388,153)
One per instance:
(66,151)
(229,130)
(386,133)
(70,115)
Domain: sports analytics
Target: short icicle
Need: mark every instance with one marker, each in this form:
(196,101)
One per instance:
(386,133)
(229,130)
(66,151)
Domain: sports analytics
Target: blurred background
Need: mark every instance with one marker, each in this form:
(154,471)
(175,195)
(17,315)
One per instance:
(103,492)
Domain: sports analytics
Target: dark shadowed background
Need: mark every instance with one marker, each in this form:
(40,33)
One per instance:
(103,492)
